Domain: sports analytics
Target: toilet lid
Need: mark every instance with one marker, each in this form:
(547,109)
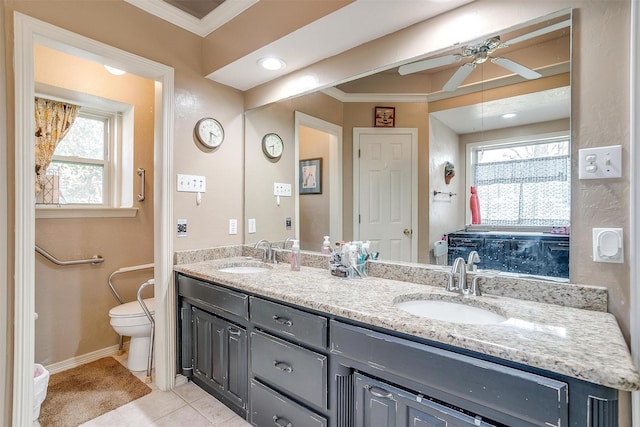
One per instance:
(132,308)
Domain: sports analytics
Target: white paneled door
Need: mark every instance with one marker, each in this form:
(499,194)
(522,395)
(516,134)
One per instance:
(384,190)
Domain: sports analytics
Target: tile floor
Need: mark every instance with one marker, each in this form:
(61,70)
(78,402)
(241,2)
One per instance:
(187,405)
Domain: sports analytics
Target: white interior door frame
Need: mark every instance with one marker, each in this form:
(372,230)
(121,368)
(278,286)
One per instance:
(335,171)
(414,180)
(27,32)
(634,156)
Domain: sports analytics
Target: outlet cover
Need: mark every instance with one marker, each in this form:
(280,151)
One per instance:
(233,226)
(182,228)
(600,162)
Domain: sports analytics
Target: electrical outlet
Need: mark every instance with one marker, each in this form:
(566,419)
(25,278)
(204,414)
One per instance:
(281,189)
(233,226)
(182,228)
(287,223)
(192,183)
(600,162)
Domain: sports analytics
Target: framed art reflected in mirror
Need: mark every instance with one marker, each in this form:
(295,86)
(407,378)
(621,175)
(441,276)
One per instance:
(310,176)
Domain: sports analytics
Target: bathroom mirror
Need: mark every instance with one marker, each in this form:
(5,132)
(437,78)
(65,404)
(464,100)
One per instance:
(543,104)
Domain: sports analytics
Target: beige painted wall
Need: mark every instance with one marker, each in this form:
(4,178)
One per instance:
(446,214)
(261,172)
(126,27)
(73,302)
(314,208)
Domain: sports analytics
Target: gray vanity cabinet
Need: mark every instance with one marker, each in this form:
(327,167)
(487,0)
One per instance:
(213,341)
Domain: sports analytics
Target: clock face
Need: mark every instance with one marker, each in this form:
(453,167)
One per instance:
(209,132)
(272,145)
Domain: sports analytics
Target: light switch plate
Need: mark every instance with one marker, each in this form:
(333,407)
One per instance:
(281,189)
(191,183)
(600,162)
(181,228)
(251,225)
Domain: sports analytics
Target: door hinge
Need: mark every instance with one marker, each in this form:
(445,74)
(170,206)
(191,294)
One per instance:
(359,219)
(358,153)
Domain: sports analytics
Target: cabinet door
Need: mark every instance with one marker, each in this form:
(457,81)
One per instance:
(493,255)
(555,258)
(376,406)
(220,355)
(524,257)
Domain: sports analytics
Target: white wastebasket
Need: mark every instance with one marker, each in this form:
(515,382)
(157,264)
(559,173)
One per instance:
(41,381)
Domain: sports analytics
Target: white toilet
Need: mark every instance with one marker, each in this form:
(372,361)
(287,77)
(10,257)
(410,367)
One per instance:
(129,320)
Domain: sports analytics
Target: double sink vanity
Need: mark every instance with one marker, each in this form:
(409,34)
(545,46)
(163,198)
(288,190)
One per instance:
(305,348)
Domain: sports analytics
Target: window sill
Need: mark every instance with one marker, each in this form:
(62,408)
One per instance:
(58,211)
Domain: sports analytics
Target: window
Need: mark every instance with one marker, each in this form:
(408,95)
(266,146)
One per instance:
(81,160)
(523,184)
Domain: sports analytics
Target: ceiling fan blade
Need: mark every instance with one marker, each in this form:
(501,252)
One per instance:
(538,32)
(428,64)
(510,65)
(459,76)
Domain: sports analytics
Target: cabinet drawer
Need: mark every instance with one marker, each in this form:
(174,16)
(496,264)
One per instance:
(215,296)
(270,408)
(290,322)
(290,368)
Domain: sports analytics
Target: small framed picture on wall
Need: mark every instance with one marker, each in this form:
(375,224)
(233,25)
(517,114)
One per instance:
(384,117)
(311,176)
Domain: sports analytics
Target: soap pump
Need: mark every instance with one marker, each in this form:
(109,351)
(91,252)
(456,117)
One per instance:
(326,246)
(295,256)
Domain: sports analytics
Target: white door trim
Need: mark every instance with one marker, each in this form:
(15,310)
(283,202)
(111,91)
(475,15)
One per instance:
(414,179)
(335,171)
(28,32)
(634,203)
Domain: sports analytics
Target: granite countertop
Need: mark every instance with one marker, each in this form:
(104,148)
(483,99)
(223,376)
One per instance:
(578,343)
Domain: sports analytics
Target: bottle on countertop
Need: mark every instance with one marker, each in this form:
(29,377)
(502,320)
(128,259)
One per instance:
(326,246)
(295,256)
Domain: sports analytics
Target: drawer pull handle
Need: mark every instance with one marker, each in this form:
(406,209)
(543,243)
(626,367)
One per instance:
(379,392)
(234,331)
(282,321)
(282,422)
(282,366)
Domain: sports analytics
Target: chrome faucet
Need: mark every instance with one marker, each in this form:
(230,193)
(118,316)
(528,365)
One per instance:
(472,260)
(460,268)
(266,255)
(286,242)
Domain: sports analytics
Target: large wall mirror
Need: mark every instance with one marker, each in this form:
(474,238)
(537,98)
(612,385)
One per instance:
(456,98)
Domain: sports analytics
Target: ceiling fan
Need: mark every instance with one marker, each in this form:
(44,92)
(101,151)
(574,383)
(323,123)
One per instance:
(478,54)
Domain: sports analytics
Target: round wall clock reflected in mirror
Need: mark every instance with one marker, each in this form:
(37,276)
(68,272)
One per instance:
(272,145)
(209,132)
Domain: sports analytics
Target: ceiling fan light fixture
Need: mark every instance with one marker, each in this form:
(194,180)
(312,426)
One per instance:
(271,63)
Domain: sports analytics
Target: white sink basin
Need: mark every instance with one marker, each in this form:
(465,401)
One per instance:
(451,312)
(243,269)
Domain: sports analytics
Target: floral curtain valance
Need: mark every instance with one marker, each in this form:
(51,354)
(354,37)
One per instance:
(53,121)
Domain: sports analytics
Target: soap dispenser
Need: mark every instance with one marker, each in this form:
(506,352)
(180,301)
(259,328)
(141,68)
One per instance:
(295,256)
(326,246)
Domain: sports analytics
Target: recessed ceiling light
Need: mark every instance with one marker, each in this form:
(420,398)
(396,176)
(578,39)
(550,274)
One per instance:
(508,115)
(271,64)
(115,71)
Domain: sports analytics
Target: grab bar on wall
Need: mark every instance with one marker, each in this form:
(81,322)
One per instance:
(125,270)
(140,173)
(149,282)
(96,259)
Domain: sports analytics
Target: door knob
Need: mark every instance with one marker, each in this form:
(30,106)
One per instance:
(407,232)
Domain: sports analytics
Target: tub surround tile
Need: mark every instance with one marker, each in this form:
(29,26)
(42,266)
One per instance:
(579,343)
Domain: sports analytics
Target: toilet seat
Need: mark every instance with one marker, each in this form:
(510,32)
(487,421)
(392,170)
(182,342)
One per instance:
(131,313)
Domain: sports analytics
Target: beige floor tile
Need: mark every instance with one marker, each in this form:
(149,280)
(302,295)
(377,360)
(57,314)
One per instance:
(110,419)
(213,410)
(190,392)
(183,417)
(151,407)
(234,422)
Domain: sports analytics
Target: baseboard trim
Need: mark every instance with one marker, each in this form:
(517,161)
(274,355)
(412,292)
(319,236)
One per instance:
(85,358)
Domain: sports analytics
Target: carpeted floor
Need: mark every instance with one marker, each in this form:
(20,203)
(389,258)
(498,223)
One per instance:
(88,391)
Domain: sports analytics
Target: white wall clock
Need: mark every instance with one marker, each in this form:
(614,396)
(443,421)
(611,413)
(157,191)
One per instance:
(209,132)
(272,145)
